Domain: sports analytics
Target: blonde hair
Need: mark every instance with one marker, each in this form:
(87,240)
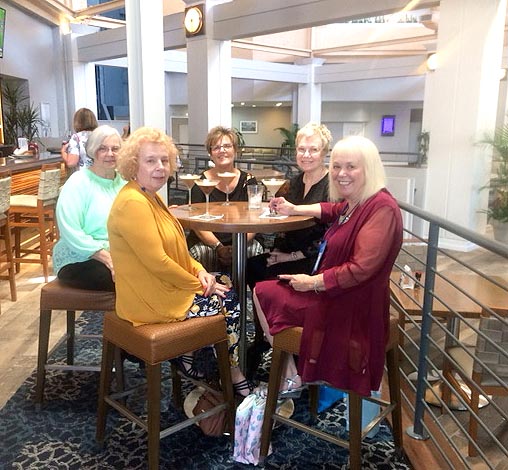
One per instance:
(128,157)
(370,160)
(311,129)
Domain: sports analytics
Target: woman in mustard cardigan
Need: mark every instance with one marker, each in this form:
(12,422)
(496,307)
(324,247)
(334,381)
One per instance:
(156,278)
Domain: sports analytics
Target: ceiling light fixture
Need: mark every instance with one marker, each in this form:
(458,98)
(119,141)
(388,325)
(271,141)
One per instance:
(278,104)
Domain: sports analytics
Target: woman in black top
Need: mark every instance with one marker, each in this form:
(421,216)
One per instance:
(212,249)
(296,251)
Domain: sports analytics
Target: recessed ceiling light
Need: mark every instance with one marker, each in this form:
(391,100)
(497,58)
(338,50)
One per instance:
(253,105)
(278,104)
(242,103)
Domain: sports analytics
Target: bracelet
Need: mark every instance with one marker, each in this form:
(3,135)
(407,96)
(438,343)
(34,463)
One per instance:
(316,290)
(217,245)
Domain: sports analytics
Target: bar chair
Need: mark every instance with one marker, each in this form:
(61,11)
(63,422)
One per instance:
(475,366)
(56,296)
(154,344)
(37,212)
(288,342)
(5,233)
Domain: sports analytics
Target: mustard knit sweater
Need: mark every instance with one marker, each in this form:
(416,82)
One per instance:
(154,274)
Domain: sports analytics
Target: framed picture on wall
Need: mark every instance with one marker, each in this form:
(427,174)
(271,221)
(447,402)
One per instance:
(249,127)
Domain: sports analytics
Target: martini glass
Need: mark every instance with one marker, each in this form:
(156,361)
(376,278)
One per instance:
(207,186)
(227,177)
(189,181)
(273,185)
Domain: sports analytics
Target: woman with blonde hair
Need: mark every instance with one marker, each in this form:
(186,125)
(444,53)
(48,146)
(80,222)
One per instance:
(344,304)
(157,280)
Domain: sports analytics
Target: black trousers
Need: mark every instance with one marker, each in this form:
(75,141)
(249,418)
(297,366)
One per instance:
(89,275)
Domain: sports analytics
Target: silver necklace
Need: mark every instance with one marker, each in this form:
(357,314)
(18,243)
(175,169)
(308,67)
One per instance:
(346,213)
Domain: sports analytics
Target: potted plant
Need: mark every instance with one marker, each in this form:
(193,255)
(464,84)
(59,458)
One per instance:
(21,118)
(497,212)
(289,135)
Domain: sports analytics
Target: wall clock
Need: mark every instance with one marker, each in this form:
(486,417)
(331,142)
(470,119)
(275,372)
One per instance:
(194,21)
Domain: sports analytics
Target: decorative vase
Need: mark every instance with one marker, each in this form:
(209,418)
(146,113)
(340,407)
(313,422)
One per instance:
(500,230)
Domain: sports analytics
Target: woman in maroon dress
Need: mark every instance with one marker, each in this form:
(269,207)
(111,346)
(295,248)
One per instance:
(344,305)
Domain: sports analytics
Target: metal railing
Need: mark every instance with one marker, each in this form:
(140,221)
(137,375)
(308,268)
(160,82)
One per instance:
(441,332)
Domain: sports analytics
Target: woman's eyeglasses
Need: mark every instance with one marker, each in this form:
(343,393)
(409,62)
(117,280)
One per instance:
(217,148)
(104,149)
(314,151)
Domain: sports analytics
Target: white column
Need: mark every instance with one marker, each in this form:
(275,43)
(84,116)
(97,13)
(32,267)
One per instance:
(145,56)
(309,95)
(209,86)
(459,108)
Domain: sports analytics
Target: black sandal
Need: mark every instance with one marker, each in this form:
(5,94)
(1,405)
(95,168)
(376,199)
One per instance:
(244,385)
(185,364)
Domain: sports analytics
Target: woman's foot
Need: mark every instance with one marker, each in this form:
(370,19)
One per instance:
(185,364)
(244,388)
(291,388)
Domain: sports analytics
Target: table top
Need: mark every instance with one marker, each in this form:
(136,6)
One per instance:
(476,286)
(238,219)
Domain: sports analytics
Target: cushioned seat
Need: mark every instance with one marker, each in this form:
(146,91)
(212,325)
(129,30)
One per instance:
(154,344)
(57,296)
(288,342)
(37,212)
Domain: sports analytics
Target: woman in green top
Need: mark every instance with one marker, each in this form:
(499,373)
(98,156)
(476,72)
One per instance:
(81,256)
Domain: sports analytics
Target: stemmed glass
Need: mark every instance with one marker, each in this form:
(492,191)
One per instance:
(189,181)
(207,186)
(227,177)
(273,185)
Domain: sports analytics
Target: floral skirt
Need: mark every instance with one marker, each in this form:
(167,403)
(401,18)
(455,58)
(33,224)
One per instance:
(229,307)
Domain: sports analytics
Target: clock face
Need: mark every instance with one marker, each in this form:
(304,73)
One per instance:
(193,20)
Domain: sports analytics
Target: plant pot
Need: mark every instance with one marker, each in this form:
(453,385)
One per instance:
(500,230)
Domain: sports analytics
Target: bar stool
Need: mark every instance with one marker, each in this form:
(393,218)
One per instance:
(156,343)
(37,212)
(5,234)
(288,342)
(57,296)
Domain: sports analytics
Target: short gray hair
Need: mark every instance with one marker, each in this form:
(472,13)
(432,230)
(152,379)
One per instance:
(96,138)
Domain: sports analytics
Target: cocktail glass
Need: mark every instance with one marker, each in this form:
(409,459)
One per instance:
(227,177)
(207,186)
(272,186)
(189,181)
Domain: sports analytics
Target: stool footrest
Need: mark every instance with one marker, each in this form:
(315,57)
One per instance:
(89,368)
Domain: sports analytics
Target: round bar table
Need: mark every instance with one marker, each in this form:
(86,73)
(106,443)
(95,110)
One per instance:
(239,220)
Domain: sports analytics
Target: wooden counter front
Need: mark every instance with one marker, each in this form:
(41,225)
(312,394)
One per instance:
(25,176)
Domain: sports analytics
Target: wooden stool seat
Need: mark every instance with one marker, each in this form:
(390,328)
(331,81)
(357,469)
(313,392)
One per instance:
(288,342)
(57,296)
(156,343)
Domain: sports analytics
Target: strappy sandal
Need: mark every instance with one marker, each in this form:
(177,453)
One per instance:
(244,386)
(291,392)
(185,364)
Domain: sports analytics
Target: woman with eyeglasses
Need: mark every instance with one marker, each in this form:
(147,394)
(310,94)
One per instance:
(214,250)
(81,256)
(297,252)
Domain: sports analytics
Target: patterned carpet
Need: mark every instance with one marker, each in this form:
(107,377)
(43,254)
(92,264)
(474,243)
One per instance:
(62,434)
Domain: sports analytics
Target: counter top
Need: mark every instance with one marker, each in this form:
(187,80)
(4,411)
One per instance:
(19,165)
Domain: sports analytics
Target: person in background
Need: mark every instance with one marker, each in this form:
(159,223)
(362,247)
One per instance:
(157,280)
(297,252)
(81,256)
(73,152)
(343,306)
(212,249)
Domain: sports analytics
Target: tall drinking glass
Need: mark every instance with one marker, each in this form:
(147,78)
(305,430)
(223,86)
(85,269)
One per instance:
(273,185)
(189,181)
(207,186)
(227,177)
